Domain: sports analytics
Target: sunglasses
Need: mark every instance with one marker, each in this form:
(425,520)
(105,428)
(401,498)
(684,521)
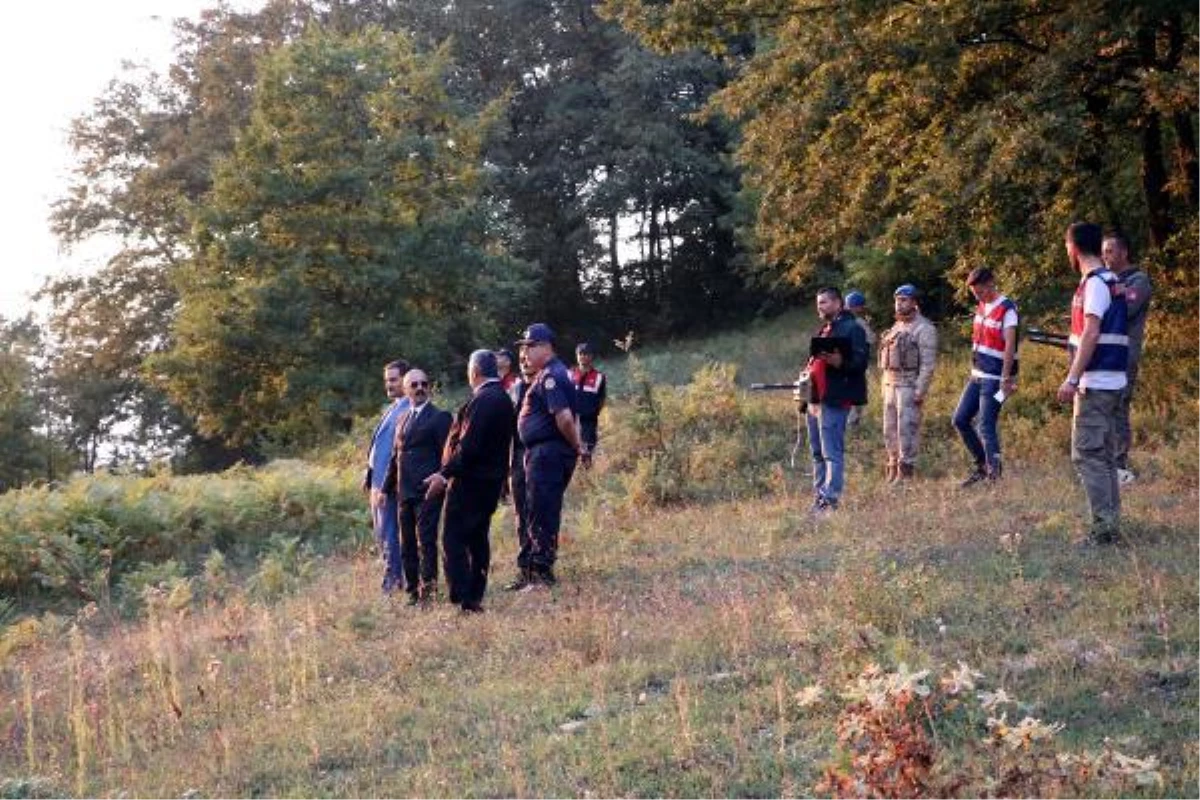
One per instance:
(418,384)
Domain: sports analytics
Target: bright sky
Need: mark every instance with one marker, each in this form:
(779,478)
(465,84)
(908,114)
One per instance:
(56,56)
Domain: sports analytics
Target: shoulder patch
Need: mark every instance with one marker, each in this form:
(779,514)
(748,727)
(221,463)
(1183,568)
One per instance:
(550,382)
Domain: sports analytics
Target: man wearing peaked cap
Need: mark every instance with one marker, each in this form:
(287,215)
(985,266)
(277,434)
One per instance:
(549,430)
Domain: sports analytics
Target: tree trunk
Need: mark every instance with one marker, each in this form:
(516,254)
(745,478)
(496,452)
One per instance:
(614,265)
(1154,171)
(1182,120)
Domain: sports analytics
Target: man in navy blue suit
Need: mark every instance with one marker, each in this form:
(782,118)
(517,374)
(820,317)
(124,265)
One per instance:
(383,507)
(416,453)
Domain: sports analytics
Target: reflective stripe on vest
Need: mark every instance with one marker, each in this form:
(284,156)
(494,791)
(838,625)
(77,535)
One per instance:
(1112,346)
(987,339)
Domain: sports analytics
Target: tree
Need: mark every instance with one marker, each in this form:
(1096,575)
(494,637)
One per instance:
(963,132)
(345,225)
(26,453)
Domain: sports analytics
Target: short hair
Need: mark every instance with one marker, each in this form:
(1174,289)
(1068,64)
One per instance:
(484,362)
(1087,238)
(980,276)
(399,364)
(835,292)
(1118,236)
(509,354)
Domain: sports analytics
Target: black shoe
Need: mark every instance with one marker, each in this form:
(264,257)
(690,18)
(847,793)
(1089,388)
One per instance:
(413,599)
(975,477)
(472,608)
(995,471)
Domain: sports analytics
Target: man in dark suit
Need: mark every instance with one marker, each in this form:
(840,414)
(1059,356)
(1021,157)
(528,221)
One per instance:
(474,465)
(421,433)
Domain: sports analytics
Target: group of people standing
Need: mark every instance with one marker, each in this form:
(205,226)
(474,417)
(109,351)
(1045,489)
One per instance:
(1108,316)
(432,475)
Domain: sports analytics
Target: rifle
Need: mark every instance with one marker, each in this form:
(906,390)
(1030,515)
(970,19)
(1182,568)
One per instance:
(767,387)
(1048,338)
(802,388)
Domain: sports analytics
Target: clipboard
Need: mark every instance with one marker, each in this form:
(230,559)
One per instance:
(829,344)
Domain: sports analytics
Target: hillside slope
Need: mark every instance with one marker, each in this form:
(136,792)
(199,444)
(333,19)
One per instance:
(708,638)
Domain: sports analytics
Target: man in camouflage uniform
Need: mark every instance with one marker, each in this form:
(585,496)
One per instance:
(907,354)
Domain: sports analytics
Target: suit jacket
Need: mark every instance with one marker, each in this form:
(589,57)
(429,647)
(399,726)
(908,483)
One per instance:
(416,451)
(481,436)
(380,454)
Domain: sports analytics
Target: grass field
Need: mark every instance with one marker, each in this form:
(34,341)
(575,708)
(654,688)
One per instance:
(708,637)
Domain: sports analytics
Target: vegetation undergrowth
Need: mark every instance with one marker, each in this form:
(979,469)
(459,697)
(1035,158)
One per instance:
(708,638)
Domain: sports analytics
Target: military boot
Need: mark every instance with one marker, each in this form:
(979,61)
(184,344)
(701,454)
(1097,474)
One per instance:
(905,472)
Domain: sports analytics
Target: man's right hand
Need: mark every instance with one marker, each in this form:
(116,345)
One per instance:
(376,499)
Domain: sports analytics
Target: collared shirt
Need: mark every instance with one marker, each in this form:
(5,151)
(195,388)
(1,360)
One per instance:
(550,392)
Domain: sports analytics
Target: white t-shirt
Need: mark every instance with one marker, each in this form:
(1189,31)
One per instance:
(1096,300)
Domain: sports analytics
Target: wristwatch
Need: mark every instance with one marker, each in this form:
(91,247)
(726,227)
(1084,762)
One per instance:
(1073,382)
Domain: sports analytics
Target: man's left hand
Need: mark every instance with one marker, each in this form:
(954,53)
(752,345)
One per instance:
(1067,392)
(434,485)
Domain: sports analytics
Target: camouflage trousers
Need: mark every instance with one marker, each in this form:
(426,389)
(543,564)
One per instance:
(1094,444)
(901,424)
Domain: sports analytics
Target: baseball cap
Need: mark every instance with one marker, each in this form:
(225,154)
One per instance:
(980,275)
(905,290)
(584,348)
(537,332)
(855,300)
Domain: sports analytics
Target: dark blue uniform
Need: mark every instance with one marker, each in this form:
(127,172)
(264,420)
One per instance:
(549,462)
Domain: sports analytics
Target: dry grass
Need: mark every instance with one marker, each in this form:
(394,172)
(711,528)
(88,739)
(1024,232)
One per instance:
(671,654)
(669,661)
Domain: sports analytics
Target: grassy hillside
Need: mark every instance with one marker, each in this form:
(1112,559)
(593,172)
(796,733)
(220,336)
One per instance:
(709,638)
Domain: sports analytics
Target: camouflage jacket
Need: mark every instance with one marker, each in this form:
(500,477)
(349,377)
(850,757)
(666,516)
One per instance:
(908,353)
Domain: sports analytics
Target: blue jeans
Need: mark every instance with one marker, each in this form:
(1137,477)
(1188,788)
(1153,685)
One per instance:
(385,520)
(827,440)
(978,400)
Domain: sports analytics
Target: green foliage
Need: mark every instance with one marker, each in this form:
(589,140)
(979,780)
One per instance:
(347,219)
(967,133)
(25,452)
(286,565)
(71,544)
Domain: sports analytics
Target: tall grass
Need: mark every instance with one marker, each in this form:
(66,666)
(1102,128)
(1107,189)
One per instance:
(708,638)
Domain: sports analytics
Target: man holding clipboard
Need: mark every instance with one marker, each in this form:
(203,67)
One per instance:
(837,367)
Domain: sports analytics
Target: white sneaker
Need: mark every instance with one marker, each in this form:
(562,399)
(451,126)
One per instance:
(1125,476)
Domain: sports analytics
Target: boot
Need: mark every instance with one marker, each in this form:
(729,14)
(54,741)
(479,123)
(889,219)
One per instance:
(905,472)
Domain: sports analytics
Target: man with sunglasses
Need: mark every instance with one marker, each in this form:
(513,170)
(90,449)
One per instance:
(421,434)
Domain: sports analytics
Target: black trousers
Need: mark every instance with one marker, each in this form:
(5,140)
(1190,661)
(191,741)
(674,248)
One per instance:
(466,549)
(418,542)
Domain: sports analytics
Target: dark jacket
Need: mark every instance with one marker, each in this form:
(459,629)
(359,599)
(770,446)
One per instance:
(481,437)
(417,451)
(848,384)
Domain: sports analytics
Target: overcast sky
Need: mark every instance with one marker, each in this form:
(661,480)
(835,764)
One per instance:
(56,56)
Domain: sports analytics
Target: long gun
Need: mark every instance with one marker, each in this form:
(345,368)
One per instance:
(801,411)
(1048,338)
